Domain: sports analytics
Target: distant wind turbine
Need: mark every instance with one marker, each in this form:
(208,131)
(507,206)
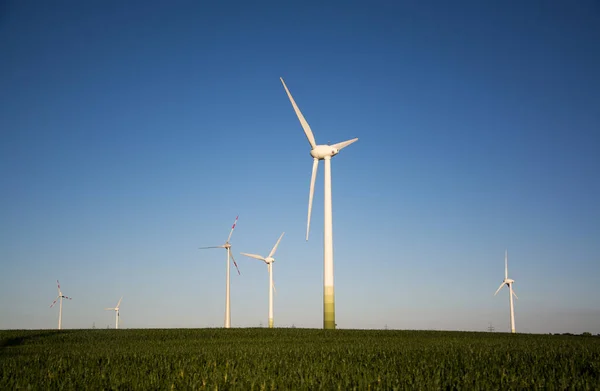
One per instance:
(269,261)
(227,246)
(59,297)
(508,282)
(116,309)
(322,152)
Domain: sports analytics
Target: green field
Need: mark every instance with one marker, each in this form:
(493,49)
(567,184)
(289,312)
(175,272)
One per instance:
(268,359)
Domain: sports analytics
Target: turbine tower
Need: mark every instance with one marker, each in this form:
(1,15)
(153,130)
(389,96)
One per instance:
(269,261)
(59,297)
(322,152)
(116,309)
(508,282)
(227,246)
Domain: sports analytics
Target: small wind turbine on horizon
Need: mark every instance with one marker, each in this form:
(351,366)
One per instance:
(59,297)
(508,282)
(227,246)
(269,261)
(116,309)
(322,152)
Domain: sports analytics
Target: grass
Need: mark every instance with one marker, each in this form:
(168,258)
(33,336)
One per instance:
(269,359)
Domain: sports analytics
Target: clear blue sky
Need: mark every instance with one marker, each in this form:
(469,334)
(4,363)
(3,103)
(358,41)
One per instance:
(134,132)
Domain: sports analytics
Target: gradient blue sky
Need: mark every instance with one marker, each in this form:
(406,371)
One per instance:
(134,132)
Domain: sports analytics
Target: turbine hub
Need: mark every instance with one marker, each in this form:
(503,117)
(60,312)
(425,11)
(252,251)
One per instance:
(322,151)
(227,245)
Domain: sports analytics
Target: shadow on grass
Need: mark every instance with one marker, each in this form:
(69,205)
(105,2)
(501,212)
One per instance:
(28,335)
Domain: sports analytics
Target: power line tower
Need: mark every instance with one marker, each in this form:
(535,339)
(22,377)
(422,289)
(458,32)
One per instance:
(490,328)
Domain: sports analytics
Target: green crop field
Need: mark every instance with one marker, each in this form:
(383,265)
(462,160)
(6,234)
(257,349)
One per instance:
(268,359)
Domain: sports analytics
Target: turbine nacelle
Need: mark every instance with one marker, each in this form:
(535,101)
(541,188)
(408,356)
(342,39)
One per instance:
(322,151)
(269,260)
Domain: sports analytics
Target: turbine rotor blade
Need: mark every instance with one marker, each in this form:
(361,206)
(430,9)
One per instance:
(66,297)
(506,264)
(501,285)
(109,309)
(260,258)
(119,303)
(275,247)
(513,292)
(232,228)
(233,259)
(54,302)
(307,131)
(344,144)
(311,193)
(274,290)
(204,248)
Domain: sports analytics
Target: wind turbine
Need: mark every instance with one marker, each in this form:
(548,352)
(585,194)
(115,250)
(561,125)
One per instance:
(116,309)
(269,261)
(508,282)
(227,246)
(61,297)
(322,152)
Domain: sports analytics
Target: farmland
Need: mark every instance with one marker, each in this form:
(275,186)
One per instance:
(265,359)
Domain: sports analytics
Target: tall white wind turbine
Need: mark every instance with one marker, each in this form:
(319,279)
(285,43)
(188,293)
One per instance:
(322,152)
(508,282)
(60,297)
(227,246)
(269,261)
(116,309)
